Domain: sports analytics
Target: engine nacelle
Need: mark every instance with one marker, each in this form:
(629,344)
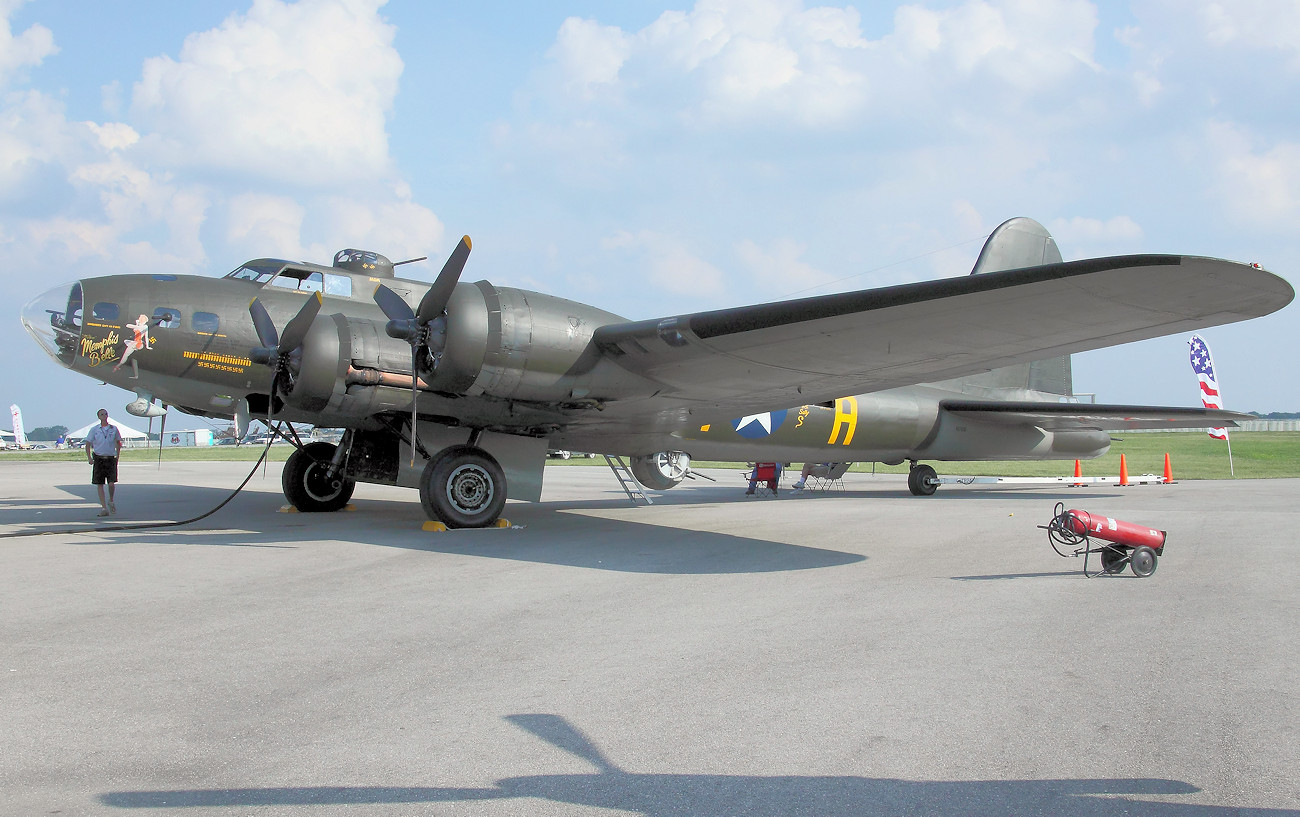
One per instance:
(502,343)
(515,344)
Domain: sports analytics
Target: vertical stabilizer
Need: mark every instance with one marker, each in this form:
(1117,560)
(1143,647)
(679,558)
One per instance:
(1015,244)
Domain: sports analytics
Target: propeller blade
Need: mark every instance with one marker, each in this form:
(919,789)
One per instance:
(415,392)
(270,400)
(392,304)
(296,331)
(162,432)
(435,300)
(266,334)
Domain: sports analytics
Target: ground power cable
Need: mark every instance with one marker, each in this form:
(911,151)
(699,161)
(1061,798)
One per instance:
(148,525)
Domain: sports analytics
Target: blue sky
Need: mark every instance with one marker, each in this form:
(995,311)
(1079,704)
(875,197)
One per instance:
(651,158)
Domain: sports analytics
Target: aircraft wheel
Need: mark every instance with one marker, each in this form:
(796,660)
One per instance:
(305,483)
(463,487)
(1112,560)
(1143,561)
(661,471)
(922,480)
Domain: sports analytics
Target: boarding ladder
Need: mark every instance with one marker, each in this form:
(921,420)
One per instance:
(624,476)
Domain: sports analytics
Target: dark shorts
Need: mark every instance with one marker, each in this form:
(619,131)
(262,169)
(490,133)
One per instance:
(103,469)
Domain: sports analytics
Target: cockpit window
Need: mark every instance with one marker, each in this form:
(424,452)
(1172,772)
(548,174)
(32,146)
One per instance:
(340,285)
(298,279)
(259,271)
(105,311)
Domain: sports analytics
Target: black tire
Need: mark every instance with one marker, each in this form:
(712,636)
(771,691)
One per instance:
(922,480)
(1143,561)
(1113,559)
(660,471)
(463,487)
(305,486)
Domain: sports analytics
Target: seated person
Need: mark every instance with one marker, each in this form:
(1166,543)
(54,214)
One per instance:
(769,472)
(814,469)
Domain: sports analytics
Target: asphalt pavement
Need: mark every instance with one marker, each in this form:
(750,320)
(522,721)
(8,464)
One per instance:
(863,652)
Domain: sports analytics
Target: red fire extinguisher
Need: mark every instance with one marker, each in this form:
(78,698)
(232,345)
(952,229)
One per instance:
(1126,543)
(1114,530)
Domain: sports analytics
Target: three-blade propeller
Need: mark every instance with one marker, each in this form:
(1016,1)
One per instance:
(425,328)
(281,351)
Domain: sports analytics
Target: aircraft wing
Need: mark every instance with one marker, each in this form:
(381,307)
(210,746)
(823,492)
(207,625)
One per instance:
(814,349)
(1093,416)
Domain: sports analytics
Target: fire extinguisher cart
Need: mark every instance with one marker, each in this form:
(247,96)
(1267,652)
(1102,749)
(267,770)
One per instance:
(1116,544)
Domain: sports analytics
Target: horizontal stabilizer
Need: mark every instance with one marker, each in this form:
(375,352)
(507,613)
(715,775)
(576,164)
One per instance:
(1092,416)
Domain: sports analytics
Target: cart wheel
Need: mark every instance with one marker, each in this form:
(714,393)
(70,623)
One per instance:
(1143,561)
(1113,559)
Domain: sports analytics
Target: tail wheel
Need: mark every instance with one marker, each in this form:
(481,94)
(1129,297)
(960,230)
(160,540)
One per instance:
(463,487)
(922,480)
(307,484)
(661,471)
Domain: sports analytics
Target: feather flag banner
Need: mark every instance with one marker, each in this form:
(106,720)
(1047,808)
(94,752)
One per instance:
(1203,365)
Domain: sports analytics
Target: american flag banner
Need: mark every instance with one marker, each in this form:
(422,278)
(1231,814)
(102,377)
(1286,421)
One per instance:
(1203,365)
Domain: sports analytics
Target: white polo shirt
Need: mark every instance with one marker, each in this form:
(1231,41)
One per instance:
(103,440)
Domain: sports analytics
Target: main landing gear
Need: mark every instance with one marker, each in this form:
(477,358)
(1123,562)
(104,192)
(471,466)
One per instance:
(464,487)
(922,480)
(309,482)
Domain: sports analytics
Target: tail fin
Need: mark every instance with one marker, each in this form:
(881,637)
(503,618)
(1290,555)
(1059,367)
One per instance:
(1015,244)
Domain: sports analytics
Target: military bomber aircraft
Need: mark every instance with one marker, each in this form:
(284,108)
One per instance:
(459,389)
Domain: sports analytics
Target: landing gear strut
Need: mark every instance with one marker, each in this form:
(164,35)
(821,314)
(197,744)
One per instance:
(308,483)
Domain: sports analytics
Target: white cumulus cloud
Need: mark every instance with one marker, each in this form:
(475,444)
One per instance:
(29,48)
(666,263)
(296,92)
(1258,184)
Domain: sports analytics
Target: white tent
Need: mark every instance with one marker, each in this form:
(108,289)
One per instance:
(127,432)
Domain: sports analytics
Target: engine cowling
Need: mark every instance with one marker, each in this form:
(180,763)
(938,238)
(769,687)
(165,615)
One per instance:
(503,343)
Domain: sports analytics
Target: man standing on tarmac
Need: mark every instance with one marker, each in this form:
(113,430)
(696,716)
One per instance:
(103,444)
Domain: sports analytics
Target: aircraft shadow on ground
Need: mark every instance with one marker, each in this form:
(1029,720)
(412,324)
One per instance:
(577,533)
(707,795)
(136,503)
(555,532)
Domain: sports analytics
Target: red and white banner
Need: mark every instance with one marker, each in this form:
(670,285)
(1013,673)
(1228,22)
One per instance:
(1203,365)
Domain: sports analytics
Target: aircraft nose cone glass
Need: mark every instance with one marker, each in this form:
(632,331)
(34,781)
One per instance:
(54,319)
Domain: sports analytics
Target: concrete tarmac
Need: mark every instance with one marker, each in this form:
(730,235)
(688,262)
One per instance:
(856,653)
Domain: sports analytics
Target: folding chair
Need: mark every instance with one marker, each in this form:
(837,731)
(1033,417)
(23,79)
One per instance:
(763,479)
(827,478)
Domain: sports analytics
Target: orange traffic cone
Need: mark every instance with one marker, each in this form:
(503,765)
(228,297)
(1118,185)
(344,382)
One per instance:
(1169,472)
(1078,473)
(1123,470)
